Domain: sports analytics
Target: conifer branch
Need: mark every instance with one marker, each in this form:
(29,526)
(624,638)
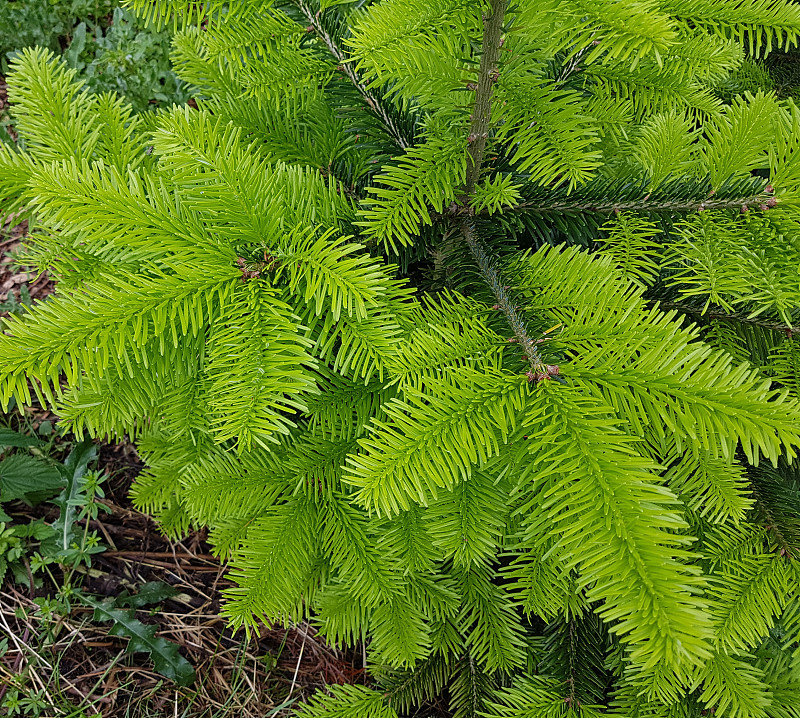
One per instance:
(490,274)
(487,77)
(771,524)
(740,317)
(478,133)
(395,480)
(372,100)
(643,205)
(783,545)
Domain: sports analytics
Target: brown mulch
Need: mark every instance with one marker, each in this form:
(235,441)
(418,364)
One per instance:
(73,661)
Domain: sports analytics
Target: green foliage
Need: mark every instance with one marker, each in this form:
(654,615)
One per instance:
(26,477)
(468,330)
(166,659)
(348,702)
(631,245)
(537,697)
(110,47)
(428,174)
(70,486)
(33,552)
(26,23)
(150,593)
(664,146)
(129,59)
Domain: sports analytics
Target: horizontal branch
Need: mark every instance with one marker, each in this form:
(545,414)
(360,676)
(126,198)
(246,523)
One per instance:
(742,318)
(656,206)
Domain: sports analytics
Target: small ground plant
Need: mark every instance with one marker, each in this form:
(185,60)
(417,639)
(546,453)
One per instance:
(469,329)
(50,559)
(112,49)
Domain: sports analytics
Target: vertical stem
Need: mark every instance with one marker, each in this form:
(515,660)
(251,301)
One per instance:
(487,76)
(479,132)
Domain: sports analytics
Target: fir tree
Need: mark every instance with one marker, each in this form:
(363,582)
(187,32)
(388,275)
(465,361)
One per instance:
(468,328)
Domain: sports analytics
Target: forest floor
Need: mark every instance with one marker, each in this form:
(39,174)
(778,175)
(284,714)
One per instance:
(69,665)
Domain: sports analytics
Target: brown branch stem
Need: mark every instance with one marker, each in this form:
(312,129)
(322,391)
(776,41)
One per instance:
(505,303)
(487,77)
(478,133)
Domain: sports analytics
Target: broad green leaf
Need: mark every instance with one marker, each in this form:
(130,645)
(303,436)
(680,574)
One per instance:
(150,593)
(166,659)
(73,472)
(27,478)
(9,437)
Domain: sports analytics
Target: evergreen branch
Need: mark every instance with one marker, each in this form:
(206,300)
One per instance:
(347,701)
(717,489)
(427,177)
(491,275)
(253,385)
(540,577)
(783,544)
(758,25)
(117,315)
(446,334)
(733,686)
(69,127)
(163,13)
(275,565)
(116,403)
(407,539)
(747,595)
(405,689)
(354,349)
(374,102)
(572,696)
(358,561)
(419,488)
(467,524)
(479,131)
(158,492)
(477,141)
(548,133)
(775,491)
(15,171)
(491,625)
(576,649)
(221,487)
(487,76)
(468,688)
(534,696)
(343,408)
(605,506)
(740,317)
(705,397)
(400,635)
(645,204)
(433,439)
